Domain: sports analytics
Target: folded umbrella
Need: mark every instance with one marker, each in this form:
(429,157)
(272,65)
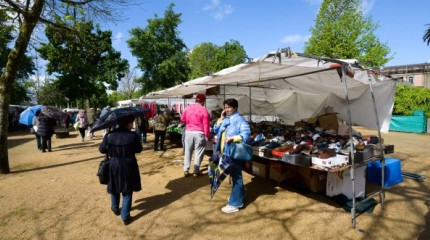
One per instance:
(53,112)
(110,119)
(26,117)
(218,170)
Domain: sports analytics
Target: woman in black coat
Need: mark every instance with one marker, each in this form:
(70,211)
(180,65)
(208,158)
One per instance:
(121,145)
(45,129)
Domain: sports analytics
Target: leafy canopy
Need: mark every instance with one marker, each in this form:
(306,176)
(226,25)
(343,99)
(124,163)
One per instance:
(342,31)
(160,53)
(84,61)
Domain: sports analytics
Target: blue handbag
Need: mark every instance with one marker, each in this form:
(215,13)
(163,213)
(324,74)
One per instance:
(240,151)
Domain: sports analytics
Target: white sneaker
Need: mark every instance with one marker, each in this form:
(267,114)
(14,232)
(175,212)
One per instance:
(229,209)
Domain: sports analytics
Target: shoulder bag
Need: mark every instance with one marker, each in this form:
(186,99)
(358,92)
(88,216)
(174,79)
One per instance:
(103,171)
(240,151)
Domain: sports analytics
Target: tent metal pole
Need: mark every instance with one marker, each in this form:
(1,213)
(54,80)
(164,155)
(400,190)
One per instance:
(382,192)
(224,92)
(250,113)
(344,79)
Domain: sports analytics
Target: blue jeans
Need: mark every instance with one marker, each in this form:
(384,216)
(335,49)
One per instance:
(237,192)
(126,204)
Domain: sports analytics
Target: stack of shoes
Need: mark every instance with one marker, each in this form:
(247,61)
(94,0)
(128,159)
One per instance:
(327,153)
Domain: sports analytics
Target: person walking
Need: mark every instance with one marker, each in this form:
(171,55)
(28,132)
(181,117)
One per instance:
(231,127)
(103,112)
(83,123)
(45,129)
(91,116)
(124,177)
(161,121)
(35,125)
(197,132)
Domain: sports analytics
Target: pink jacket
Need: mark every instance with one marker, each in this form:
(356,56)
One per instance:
(196,118)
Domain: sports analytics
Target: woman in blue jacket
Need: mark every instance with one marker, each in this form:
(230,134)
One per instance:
(231,128)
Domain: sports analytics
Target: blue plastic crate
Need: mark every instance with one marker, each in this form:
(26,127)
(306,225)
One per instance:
(392,174)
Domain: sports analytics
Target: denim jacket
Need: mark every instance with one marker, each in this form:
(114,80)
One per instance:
(233,126)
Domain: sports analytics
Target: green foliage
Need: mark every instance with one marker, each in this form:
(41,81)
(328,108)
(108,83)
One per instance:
(426,37)
(409,98)
(115,97)
(341,31)
(19,87)
(50,94)
(83,60)
(207,58)
(161,54)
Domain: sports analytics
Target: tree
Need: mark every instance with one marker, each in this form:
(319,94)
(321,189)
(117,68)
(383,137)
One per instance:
(51,94)
(83,60)
(426,37)
(161,54)
(341,31)
(128,84)
(203,60)
(207,58)
(19,87)
(27,14)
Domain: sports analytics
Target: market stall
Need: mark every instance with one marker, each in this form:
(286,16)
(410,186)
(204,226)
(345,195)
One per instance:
(294,87)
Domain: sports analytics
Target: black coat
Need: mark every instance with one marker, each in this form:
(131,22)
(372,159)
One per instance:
(122,145)
(45,127)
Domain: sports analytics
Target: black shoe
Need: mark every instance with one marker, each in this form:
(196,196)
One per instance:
(43,151)
(127,221)
(116,212)
(49,150)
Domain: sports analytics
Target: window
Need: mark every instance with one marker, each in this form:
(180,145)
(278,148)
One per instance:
(411,79)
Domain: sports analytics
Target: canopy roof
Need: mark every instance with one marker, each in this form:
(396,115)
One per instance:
(295,87)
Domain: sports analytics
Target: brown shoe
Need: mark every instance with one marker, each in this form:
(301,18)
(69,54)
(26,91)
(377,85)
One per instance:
(327,154)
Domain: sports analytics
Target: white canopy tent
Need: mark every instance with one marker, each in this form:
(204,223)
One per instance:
(295,87)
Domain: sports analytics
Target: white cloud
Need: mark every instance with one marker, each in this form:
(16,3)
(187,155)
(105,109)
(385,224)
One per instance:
(117,39)
(295,38)
(367,6)
(218,10)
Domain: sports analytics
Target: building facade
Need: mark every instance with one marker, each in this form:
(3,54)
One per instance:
(417,75)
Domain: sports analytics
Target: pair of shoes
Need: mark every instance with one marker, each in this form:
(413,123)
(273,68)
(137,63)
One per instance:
(116,212)
(127,220)
(229,209)
(187,174)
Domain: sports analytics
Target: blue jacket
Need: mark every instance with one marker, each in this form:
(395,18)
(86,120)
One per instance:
(233,125)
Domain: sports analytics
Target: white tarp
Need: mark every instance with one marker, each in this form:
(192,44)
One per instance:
(296,87)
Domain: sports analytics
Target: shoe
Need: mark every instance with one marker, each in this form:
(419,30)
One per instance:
(187,174)
(229,209)
(195,175)
(116,212)
(49,150)
(83,140)
(43,151)
(127,220)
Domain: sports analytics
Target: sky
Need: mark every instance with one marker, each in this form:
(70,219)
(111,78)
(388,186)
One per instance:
(262,26)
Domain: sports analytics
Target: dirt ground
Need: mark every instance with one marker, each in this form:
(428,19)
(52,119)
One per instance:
(56,195)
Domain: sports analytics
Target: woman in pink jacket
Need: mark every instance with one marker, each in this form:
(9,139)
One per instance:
(197,132)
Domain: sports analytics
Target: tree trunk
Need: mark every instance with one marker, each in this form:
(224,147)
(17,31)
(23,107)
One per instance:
(7,78)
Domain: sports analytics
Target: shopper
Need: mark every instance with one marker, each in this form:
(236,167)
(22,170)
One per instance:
(45,129)
(35,125)
(124,178)
(197,132)
(83,123)
(161,122)
(231,128)
(91,116)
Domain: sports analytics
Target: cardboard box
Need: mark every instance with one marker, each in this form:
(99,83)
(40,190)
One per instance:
(328,163)
(317,181)
(329,121)
(259,169)
(341,183)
